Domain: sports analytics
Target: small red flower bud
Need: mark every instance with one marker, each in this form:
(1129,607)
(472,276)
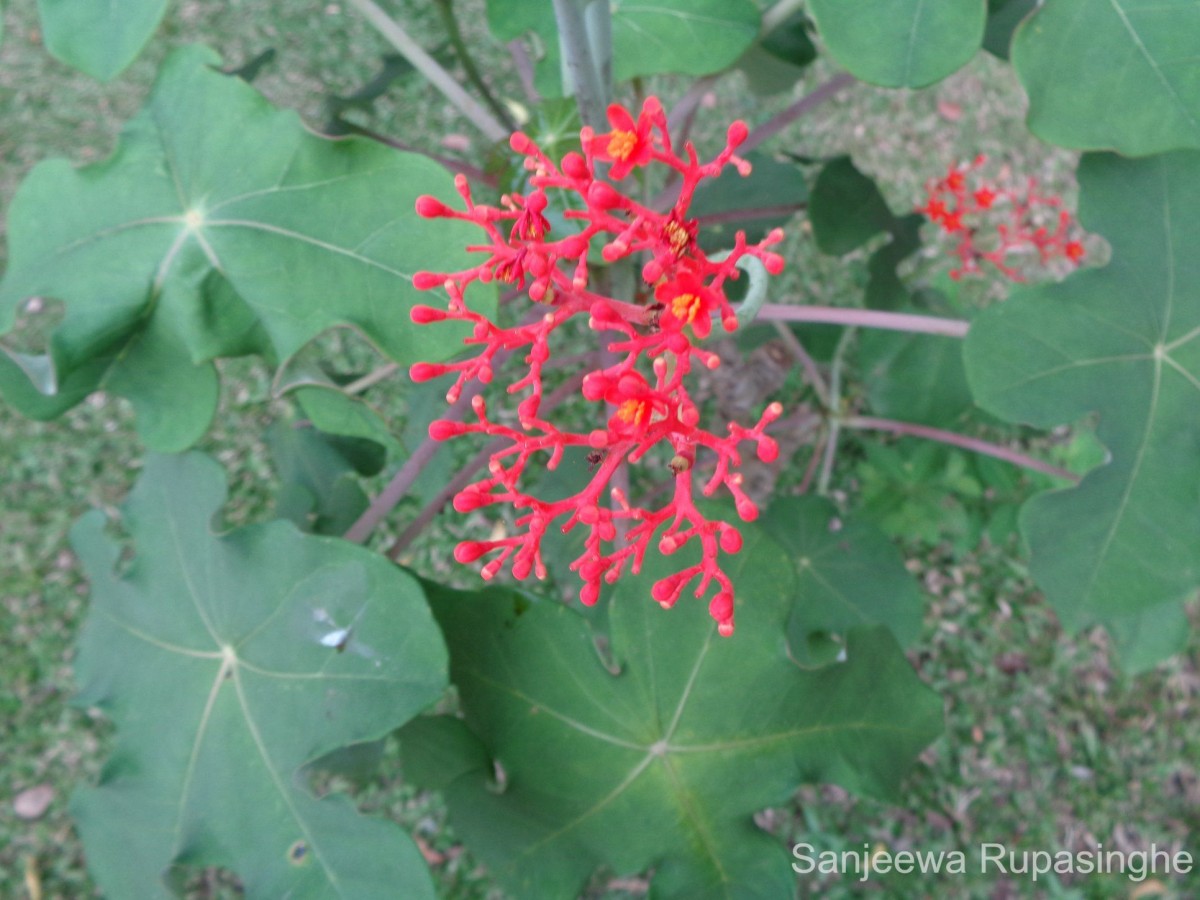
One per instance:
(746,508)
(731,540)
(603,195)
(522,566)
(527,409)
(442,429)
(419,372)
(431,207)
(467,500)
(423,315)
(469,551)
(574,166)
(520,143)
(721,606)
(424,281)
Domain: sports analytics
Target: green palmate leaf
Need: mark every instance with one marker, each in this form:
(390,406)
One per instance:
(1003,18)
(227,663)
(777,61)
(649,37)
(850,574)
(846,209)
(662,765)
(1112,74)
(885,289)
(320,491)
(901,43)
(1122,342)
(100,39)
(915,377)
(219,227)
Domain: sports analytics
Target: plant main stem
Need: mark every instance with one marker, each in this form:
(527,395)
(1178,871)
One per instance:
(450,20)
(959,440)
(580,67)
(865,318)
(492,128)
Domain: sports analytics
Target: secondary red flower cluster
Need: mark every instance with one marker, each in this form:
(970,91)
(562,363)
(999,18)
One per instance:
(1010,222)
(651,342)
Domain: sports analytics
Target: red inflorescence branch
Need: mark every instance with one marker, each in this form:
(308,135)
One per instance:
(999,225)
(652,342)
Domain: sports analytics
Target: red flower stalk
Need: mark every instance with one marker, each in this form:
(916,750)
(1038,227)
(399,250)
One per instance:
(652,344)
(1012,222)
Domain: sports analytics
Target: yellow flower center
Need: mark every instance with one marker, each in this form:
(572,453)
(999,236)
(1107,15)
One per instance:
(686,307)
(677,238)
(634,412)
(621,144)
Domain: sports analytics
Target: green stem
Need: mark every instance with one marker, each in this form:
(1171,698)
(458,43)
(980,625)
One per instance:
(580,70)
(811,371)
(492,128)
(371,379)
(835,409)
(450,20)
(959,440)
(597,18)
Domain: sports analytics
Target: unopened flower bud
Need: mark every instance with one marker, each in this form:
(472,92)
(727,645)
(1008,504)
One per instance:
(469,551)
(423,315)
(431,207)
(731,539)
(521,143)
(575,166)
(720,607)
(468,500)
(425,281)
(421,371)
(442,429)
(603,195)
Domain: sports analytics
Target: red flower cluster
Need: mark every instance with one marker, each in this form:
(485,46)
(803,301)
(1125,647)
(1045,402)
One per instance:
(652,348)
(1010,222)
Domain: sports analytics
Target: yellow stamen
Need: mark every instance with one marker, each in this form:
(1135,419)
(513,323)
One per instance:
(686,307)
(621,144)
(634,412)
(677,237)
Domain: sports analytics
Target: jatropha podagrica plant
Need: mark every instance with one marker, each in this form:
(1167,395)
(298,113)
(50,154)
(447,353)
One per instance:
(649,346)
(998,225)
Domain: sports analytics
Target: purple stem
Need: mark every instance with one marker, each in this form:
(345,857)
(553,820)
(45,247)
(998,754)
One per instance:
(958,440)
(866,318)
(780,121)
(753,212)
(467,472)
(524,67)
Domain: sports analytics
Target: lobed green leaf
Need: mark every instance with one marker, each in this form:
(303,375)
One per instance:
(219,227)
(1112,74)
(901,43)
(1123,343)
(227,663)
(658,758)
